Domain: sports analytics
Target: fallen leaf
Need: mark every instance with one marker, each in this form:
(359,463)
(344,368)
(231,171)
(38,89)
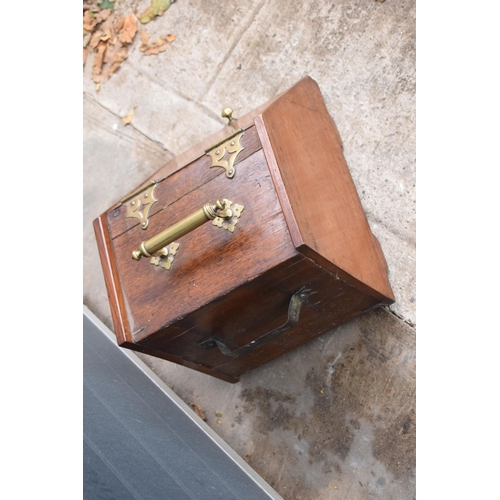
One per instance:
(128,118)
(115,55)
(145,36)
(129,29)
(97,87)
(156,8)
(218,414)
(89,22)
(156,47)
(103,15)
(110,37)
(119,24)
(104,29)
(86,38)
(98,60)
(85,54)
(96,38)
(198,411)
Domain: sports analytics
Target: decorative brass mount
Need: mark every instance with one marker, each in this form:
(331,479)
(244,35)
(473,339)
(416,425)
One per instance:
(162,249)
(139,203)
(230,145)
(165,256)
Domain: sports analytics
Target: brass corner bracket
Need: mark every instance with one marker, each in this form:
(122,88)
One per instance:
(225,152)
(139,203)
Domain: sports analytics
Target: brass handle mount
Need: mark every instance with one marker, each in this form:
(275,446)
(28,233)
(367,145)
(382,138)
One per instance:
(223,214)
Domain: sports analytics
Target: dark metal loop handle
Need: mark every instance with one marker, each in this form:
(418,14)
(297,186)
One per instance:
(296,302)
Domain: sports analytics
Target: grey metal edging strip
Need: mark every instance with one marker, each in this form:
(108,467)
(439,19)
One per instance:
(258,480)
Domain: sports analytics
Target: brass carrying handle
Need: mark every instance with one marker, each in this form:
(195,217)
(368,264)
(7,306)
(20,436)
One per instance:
(208,212)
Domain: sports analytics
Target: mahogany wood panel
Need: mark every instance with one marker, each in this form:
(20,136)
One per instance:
(118,309)
(304,143)
(302,226)
(236,318)
(210,261)
(257,308)
(176,185)
(111,279)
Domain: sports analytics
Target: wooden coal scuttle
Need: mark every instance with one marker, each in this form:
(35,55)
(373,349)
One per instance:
(245,247)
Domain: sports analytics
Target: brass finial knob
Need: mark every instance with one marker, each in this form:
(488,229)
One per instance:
(228,113)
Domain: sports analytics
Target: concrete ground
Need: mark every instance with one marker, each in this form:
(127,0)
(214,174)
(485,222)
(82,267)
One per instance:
(335,418)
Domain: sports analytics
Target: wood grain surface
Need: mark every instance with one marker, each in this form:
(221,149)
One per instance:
(260,306)
(301,139)
(175,185)
(210,262)
(119,311)
(302,226)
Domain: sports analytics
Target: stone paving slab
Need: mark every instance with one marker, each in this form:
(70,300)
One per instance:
(335,418)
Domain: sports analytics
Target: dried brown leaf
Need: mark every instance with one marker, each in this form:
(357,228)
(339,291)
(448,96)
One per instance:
(129,29)
(98,60)
(107,26)
(85,54)
(94,41)
(170,38)
(120,57)
(107,33)
(86,38)
(119,24)
(103,15)
(198,411)
(115,55)
(145,36)
(156,47)
(88,22)
(128,117)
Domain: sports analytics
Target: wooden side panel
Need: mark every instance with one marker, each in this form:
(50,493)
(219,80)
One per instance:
(235,319)
(259,307)
(118,310)
(319,188)
(210,262)
(111,279)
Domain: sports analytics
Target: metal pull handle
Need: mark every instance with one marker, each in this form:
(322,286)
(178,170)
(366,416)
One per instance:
(223,214)
(296,303)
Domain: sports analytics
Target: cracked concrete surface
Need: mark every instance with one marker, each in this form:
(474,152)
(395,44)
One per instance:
(335,418)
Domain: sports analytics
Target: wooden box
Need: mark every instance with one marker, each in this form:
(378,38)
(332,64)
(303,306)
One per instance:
(290,258)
